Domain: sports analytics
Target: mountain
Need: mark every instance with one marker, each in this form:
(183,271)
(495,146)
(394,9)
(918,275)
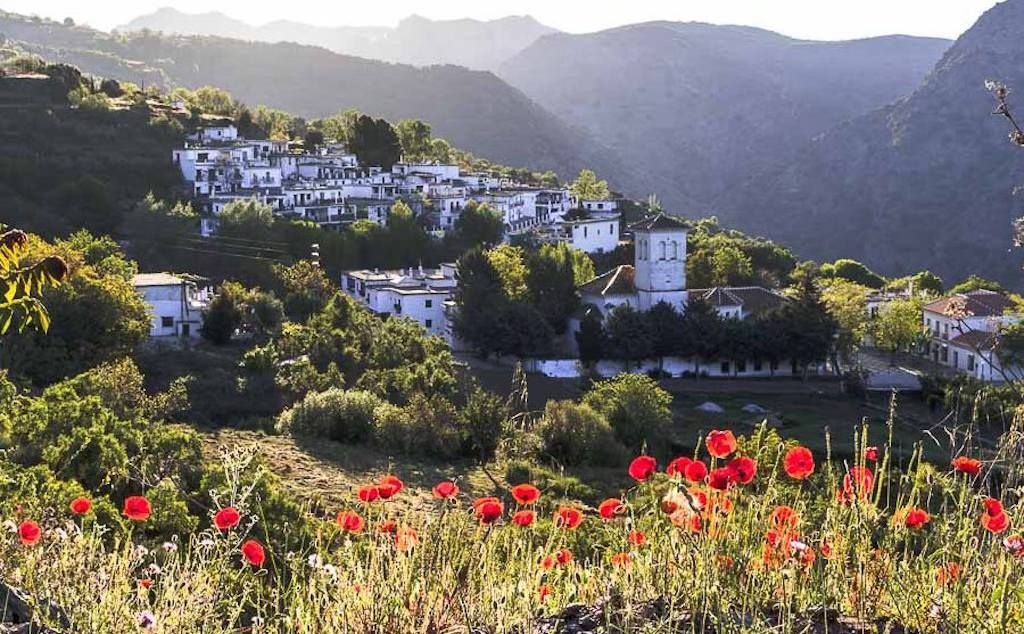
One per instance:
(924,182)
(474,110)
(481,45)
(702,108)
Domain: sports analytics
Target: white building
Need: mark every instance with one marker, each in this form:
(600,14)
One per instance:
(175,304)
(598,233)
(964,329)
(417,294)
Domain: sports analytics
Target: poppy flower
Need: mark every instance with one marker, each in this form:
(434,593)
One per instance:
(406,538)
(745,469)
(544,592)
(610,508)
(548,562)
(525,494)
(807,555)
(995,524)
(798,463)
(445,490)
(1014,545)
(696,499)
(677,468)
(825,547)
(524,518)
(389,486)
(145,584)
(871,454)
(388,526)
(488,510)
(253,552)
(226,518)
(696,471)
(351,522)
(784,518)
(29,533)
(568,517)
(916,518)
(563,556)
(637,538)
(622,559)
(642,468)
(993,507)
(368,493)
(80,505)
(947,573)
(722,478)
(136,508)
(963,464)
(720,443)
(858,481)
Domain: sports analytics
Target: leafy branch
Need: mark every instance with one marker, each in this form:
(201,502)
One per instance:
(20,286)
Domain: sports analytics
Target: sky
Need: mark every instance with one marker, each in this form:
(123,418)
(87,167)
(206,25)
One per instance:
(810,19)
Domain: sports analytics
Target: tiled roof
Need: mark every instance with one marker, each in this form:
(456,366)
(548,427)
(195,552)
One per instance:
(156,279)
(754,299)
(661,221)
(618,281)
(979,303)
(976,340)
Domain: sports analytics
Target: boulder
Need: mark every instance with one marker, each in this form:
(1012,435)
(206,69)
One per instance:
(711,408)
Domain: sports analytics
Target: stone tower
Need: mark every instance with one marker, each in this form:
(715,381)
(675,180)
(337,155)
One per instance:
(660,261)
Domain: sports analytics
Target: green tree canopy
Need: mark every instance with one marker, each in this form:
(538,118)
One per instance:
(588,187)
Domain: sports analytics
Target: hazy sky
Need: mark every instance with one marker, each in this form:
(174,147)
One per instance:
(817,19)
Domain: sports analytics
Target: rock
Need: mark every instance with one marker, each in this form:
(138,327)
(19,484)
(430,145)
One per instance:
(711,408)
(753,408)
(17,616)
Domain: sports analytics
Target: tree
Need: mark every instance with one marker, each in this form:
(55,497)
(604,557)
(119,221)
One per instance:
(510,264)
(212,100)
(519,329)
(702,332)
(483,419)
(478,225)
(629,336)
(590,340)
(20,305)
(415,138)
(853,271)
(266,312)
(222,317)
(730,266)
(811,328)
(305,289)
(898,325)
(639,410)
(478,296)
(551,284)
(313,140)
(847,303)
(667,328)
(375,142)
(582,266)
(738,341)
(246,217)
(976,283)
(338,127)
(588,187)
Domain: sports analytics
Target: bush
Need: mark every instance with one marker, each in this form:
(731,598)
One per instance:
(426,426)
(345,416)
(638,409)
(483,419)
(576,434)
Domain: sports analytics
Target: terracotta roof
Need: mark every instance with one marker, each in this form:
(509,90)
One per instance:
(976,340)
(660,221)
(980,303)
(754,299)
(618,281)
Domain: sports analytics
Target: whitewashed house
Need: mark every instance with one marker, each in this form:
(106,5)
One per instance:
(964,329)
(418,294)
(598,233)
(175,304)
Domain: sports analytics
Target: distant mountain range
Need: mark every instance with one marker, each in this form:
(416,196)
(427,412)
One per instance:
(480,45)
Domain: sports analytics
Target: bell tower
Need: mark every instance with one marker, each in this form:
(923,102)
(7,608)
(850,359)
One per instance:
(660,261)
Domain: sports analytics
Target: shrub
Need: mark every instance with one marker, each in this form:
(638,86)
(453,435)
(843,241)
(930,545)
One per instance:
(427,426)
(638,409)
(576,434)
(345,416)
(483,419)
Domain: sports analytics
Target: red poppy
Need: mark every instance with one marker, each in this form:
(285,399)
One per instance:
(721,478)
(389,486)
(544,592)
(784,518)
(388,526)
(488,510)
(637,538)
(610,508)
(825,546)
(29,533)
(720,443)
(368,493)
(524,518)
(563,557)
(798,463)
(351,522)
(226,518)
(1014,545)
(446,490)
(916,518)
(81,505)
(807,556)
(253,552)
(525,494)
(677,468)
(947,573)
(622,559)
(484,500)
(568,517)
(642,468)
(406,538)
(963,464)
(745,469)
(993,507)
(136,508)
(548,562)
(696,471)
(995,524)
(145,584)
(871,454)
(858,481)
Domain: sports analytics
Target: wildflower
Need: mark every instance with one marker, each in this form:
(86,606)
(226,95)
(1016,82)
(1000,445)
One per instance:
(916,518)
(80,505)
(351,522)
(784,518)
(548,562)
(726,561)
(637,538)
(696,471)
(368,493)
(622,559)
(524,518)
(145,584)
(446,490)
(947,573)
(544,592)
(722,478)
(406,538)
(253,552)
(995,524)
(798,463)
(807,555)
(963,464)
(993,507)
(315,561)
(29,533)
(677,468)
(825,547)
(330,570)
(744,467)
(720,443)
(871,454)
(857,482)
(642,468)
(145,619)
(568,517)
(226,518)
(525,494)
(136,508)
(488,510)
(388,526)
(154,569)
(10,526)
(563,556)
(169,547)
(389,486)
(1014,545)
(610,508)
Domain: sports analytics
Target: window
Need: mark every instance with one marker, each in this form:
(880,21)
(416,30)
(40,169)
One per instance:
(167,322)
(611,229)
(757,366)
(429,303)
(662,248)
(725,367)
(956,359)
(675,250)
(428,323)
(970,363)
(741,366)
(584,232)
